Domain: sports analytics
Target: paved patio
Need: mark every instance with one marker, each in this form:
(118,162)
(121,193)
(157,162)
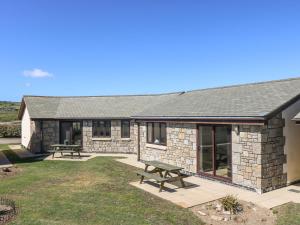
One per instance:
(198,190)
(10,140)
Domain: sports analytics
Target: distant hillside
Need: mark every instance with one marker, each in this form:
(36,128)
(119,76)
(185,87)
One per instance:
(9,111)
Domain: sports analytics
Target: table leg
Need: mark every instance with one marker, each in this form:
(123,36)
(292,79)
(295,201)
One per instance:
(160,173)
(181,179)
(146,168)
(142,179)
(161,186)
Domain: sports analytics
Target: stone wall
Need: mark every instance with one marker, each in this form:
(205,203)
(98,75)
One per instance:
(273,157)
(247,156)
(258,156)
(50,133)
(115,144)
(181,149)
(35,137)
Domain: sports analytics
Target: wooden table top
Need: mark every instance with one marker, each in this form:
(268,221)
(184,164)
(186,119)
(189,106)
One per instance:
(163,166)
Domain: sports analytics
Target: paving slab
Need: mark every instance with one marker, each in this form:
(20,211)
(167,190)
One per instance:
(10,140)
(14,146)
(202,190)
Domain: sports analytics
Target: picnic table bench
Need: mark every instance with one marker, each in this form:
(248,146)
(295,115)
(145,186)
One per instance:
(62,148)
(161,173)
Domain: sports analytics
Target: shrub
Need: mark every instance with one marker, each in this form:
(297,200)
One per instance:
(10,129)
(231,204)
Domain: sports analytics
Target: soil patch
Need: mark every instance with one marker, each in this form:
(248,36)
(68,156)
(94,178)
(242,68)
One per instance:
(9,171)
(212,213)
(7,210)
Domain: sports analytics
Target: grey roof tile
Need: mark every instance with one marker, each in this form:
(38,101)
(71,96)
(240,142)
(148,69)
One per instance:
(249,100)
(242,101)
(48,107)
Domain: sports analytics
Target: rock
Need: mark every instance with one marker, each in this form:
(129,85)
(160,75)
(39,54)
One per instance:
(218,207)
(217,218)
(226,219)
(202,213)
(5,208)
(254,209)
(226,212)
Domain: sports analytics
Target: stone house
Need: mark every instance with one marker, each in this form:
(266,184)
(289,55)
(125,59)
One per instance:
(244,135)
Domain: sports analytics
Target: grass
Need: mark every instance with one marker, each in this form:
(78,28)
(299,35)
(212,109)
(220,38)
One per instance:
(9,111)
(92,192)
(288,214)
(8,116)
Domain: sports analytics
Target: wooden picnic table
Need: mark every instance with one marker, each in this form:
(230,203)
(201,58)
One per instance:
(63,148)
(166,173)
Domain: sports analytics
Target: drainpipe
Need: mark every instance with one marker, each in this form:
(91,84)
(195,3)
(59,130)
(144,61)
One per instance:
(138,144)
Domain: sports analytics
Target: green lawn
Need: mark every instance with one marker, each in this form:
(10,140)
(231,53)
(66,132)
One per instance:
(289,214)
(9,111)
(92,192)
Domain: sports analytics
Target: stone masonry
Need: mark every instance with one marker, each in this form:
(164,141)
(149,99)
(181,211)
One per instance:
(181,149)
(257,150)
(35,136)
(50,133)
(115,144)
(258,156)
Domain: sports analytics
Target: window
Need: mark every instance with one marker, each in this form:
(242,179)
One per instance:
(156,133)
(125,129)
(101,128)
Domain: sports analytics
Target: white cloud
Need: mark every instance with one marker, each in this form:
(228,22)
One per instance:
(37,73)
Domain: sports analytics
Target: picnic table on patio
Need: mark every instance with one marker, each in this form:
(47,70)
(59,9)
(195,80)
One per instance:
(161,173)
(63,148)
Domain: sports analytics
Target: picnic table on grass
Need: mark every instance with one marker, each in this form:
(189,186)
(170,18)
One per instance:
(62,148)
(161,173)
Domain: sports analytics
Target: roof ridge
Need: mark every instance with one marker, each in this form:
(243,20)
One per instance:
(245,84)
(95,96)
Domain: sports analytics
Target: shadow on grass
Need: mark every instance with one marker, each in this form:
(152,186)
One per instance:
(15,159)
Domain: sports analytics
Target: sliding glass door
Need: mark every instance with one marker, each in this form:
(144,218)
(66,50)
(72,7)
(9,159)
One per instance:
(214,156)
(71,132)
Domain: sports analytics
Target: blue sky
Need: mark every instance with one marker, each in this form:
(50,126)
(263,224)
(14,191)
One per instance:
(87,47)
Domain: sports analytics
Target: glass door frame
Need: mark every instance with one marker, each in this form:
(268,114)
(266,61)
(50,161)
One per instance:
(71,121)
(227,179)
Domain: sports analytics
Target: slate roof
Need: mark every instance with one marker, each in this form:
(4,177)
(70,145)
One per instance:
(248,101)
(47,107)
(257,100)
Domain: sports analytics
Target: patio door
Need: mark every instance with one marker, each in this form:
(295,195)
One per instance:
(71,132)
(214,151)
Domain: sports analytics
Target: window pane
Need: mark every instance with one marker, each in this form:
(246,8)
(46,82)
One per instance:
(95,129)
(125,129)
(101,128)
(163,133)
(223,151)
(149,133)
(206,149)
(107,128)
(156,133)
